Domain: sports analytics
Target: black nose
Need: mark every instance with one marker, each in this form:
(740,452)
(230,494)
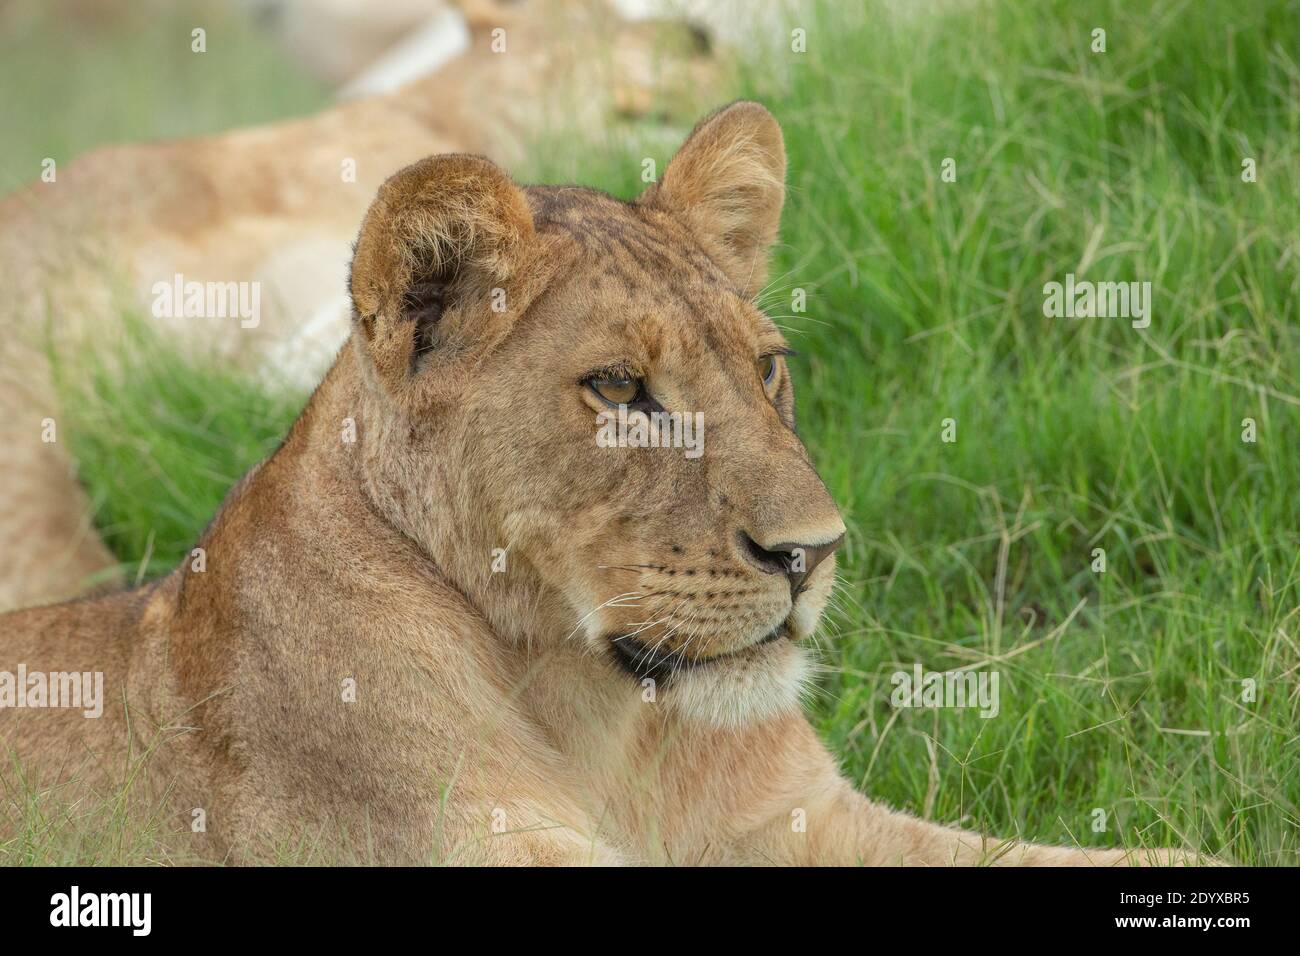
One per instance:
(795,561)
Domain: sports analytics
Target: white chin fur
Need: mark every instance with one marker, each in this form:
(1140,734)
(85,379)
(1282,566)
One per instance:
(768,683)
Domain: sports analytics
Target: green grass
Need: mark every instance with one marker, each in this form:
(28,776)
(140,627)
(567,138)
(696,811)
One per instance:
(160,439)
(1071,434)
(1120,691)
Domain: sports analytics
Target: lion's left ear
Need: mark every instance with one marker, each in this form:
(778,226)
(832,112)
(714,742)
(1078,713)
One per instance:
(728,183)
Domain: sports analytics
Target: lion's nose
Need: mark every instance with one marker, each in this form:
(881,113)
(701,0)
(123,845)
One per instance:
(795,561)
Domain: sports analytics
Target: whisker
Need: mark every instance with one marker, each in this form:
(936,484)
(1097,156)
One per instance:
(626,595)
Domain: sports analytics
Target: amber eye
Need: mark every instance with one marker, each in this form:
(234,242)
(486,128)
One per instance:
(616,391)
(767,368)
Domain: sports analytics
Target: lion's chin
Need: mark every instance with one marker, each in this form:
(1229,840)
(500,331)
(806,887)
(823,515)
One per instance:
(769,681)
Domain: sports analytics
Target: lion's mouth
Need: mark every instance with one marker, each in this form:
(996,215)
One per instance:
(643,660)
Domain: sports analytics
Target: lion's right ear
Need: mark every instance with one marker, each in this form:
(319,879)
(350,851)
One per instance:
(441,234)
(727,183)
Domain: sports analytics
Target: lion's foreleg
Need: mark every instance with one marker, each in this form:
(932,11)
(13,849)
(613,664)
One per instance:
(813,816)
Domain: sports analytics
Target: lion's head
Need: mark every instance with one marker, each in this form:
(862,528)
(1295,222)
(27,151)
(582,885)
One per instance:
(524,346)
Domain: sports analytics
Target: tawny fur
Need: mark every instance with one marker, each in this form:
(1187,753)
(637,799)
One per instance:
(491,722)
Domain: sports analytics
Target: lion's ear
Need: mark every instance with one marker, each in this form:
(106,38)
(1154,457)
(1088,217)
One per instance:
(441,233)
(728,183)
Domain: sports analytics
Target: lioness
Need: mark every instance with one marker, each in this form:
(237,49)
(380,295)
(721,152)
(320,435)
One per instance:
(443,623)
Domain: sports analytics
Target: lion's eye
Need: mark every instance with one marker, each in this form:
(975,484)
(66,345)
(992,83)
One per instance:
(616,391)
(767,368)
